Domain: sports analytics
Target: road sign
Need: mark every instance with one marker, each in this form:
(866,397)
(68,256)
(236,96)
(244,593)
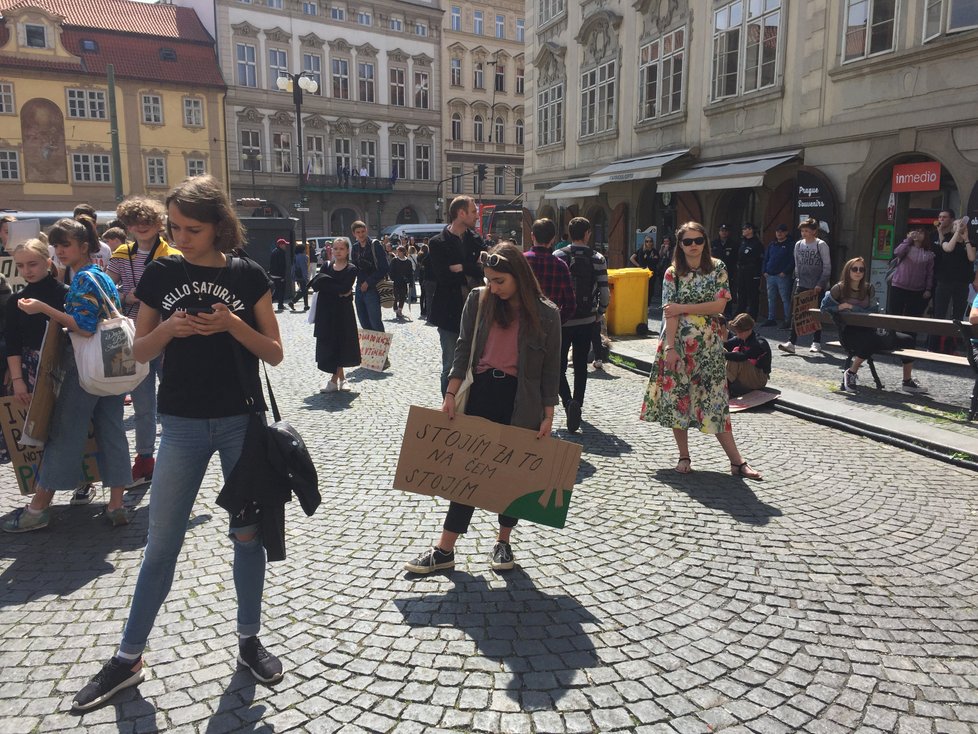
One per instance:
(302,208)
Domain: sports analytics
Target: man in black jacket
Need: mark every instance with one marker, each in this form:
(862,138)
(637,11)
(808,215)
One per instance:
(454,261)
(724,247)
(750,264)
(276,271)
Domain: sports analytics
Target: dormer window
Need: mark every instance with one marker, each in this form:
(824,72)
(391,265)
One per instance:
(89,46)
(168,54)
(36,36)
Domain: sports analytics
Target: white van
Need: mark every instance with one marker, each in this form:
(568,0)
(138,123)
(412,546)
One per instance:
(418,231)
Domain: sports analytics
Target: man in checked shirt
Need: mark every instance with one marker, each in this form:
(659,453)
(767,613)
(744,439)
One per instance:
(552,272)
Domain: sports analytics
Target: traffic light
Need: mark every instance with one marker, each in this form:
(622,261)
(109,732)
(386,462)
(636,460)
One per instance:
(482,168)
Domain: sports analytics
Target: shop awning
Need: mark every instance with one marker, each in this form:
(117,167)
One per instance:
(574,189)
(647,166)
(727,173)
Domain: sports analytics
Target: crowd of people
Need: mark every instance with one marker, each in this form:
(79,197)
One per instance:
(508,322)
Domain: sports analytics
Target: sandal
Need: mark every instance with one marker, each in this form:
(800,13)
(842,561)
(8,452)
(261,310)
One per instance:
(689,465)
(745,470)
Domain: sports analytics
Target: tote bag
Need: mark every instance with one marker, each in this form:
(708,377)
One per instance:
(462,394)
(106,365)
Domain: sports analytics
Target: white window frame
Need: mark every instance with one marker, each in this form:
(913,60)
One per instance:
(368,156)
(278,66)
(34,27)
(250,141)
(520,30)
(193,112)
(315,148)
(337,13)
(397,88)
(9,165)
(91,168)
(342,153)
(550,9)
(456,126)
(340,78)
(7,106)
(399,158)
(155,171)
(246,68)
(501,27)
(455,72)
(151,106)
(478,23)
(944,18)
(520,131)
(599,99)
(499,181)
(395,24)
(282,152)
(478,75)
(732,45)
(276,4)
(422,162)
(517,181)
(86,104)
(310,8)
(520,80)
(422,90)
(478,129)
(367,81)
(364,18)
(499,77)
(456,179)
(867,28)
(196,167)
(420,29)
(499,130)
(658,75)
(313,63)
(456,18)
(550,115)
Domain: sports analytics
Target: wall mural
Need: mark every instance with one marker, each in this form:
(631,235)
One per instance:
(42,128)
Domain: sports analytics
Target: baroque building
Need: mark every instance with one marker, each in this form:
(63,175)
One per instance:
(648,113)
(371,131)
(483,75)
(55,126)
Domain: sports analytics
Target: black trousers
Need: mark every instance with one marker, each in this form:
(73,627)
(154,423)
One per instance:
(865,342)
(578,337)
(748,293)
(491,398)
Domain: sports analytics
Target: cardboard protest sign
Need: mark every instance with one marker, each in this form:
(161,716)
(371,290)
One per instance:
(26,460)
(752,399)
(8,269)
(499,468)
(374,348)
(805,323)
(46,388)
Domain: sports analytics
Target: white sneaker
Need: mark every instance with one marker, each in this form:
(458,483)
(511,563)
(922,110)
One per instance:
(597,364)
(330,387)
(816,348)
(849,381)
(344,386)
(787,347)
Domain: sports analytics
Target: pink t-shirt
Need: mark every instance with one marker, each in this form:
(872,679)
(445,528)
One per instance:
(501,350)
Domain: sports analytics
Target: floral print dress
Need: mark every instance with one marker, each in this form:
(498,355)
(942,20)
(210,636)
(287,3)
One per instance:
(694,395)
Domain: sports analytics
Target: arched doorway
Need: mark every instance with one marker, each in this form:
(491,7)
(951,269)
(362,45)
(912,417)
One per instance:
(735,207)
(340,222)
(408,215)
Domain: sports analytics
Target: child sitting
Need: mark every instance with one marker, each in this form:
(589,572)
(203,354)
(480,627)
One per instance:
(748,357)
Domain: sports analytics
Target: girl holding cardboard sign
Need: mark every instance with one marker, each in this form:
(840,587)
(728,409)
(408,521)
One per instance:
(506,369)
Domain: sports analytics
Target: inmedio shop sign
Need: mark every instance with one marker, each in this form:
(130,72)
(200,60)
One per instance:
(916,177)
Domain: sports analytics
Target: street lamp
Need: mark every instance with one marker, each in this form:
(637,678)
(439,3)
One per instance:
(254,159)
(297,83)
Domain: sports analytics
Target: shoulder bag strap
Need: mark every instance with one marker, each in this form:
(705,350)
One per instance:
(107,302)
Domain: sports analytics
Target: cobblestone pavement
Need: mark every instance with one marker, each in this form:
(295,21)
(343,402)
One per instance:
(837,596)
(945,404)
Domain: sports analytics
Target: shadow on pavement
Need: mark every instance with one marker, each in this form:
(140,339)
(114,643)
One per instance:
(719,491)
(331,402)
(72,551)
(536,636)
(236,711)
(135,713)
(594,440)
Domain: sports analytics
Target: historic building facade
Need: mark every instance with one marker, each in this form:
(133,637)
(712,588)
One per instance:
(371,132)
(653,112)
(483,75)
(55,141)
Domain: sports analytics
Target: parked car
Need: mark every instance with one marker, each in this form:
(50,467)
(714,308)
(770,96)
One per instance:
(322,247)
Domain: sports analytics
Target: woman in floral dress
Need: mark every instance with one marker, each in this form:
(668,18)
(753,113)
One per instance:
(688,384)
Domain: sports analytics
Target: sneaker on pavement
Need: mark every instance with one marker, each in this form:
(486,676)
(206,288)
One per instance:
(849,381)
(22,521)
(502,557)
(433,559)
(598,364)
(787,347)
(573,411)
(815,348)
(83,495)
(330,387)
(263,665)
(117,517)
(142,470)
(769,322)
(912,386)
(112,678)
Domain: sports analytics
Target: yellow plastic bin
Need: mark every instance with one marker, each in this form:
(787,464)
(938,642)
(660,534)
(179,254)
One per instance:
(629,306)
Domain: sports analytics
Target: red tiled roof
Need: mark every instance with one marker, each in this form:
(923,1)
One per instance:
(122,15)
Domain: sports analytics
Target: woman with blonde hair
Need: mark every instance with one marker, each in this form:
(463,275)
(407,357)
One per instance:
(510,336)
(688,384)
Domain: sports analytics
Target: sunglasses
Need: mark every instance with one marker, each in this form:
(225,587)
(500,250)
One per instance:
(857,269)
(494,260)
(693,241)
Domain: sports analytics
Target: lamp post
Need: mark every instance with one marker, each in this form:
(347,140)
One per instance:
(297,83)
(254,160)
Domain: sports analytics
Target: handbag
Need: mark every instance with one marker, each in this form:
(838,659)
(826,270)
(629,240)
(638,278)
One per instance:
(462,394)
(385,289)
(891,269)
(106,365)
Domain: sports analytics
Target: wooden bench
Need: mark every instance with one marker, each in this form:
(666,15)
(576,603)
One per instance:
(912,325)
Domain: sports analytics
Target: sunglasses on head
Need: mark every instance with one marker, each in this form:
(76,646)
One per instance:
(494,260)
(858,269)
(693,241)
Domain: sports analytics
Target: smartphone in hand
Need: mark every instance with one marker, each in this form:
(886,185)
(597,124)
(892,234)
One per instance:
(198,310)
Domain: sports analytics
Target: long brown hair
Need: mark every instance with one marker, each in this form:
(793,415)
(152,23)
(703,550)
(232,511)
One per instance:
(846,290)
(679,262)
(204,199)
(528,292)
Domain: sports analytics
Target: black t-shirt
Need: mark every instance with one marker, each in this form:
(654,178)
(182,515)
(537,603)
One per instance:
(200,375)
(952,267)
(27,331)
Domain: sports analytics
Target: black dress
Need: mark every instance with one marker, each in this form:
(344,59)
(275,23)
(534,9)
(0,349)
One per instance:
(337,338)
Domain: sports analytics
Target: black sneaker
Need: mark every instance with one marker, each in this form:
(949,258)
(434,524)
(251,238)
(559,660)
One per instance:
(573,411)
(112,678)
(263,665)
(434,559)
(502,557)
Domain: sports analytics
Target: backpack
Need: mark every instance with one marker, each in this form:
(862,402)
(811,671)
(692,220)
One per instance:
(585,280)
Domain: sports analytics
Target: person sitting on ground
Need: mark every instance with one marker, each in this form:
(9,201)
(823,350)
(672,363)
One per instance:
(854,293)
(748,357)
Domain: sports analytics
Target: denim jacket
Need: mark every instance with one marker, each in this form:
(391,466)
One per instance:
(538,372)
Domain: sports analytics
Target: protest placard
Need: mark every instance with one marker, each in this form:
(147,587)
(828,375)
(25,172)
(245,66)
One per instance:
(374,348)
(25,459)
(805,323)
(499,468)
(8,269)
(46,387)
